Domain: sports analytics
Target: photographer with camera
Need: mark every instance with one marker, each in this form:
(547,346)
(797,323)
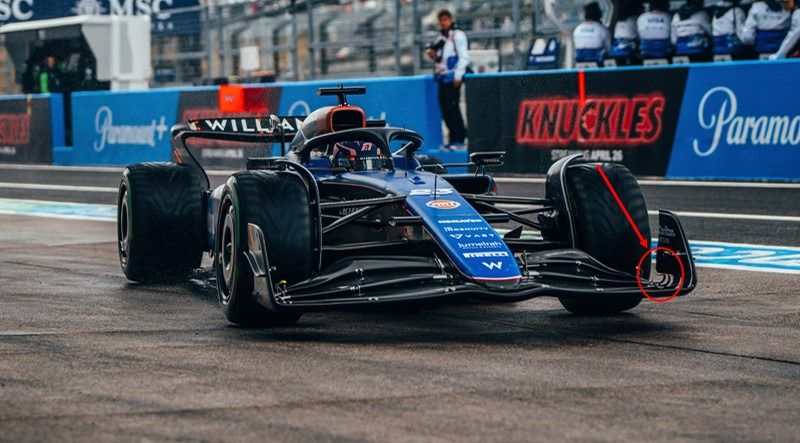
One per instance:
(450,56)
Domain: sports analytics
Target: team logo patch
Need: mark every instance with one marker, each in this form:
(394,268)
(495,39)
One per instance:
(443,204)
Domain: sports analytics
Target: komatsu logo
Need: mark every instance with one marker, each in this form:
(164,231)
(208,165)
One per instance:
(718,113)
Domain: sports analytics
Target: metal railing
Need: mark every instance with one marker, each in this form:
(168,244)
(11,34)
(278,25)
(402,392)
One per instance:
(313,39)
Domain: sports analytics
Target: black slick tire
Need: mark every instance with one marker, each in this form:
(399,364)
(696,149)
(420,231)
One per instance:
(276,202)
(160,222)
(603,231)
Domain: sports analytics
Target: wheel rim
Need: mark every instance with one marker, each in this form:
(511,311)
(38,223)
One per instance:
(123,228)
(227,254)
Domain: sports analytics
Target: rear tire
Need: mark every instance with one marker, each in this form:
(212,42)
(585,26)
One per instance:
(160,222)
(603,231)
(276,202)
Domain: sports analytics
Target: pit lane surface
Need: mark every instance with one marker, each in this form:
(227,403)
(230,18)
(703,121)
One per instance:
(88,356)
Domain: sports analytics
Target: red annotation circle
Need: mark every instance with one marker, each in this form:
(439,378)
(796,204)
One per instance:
(639,272)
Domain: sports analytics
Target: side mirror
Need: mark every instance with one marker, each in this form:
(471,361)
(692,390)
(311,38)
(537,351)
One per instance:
(489,158)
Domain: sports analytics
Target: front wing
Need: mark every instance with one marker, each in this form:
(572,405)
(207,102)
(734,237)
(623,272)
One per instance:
(368,280)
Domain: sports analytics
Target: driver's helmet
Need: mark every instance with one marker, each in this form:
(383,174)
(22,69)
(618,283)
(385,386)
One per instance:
(358,156)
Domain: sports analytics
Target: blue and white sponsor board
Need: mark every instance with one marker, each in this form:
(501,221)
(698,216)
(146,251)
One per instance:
(167,16)
(405,102)
(122,128)
(739,121)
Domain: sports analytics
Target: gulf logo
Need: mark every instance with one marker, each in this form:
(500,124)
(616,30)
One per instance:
(443,204)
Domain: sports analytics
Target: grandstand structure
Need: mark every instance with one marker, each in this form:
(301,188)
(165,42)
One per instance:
(239,40)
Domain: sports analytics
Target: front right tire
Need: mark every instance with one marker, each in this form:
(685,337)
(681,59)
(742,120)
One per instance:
(603,231)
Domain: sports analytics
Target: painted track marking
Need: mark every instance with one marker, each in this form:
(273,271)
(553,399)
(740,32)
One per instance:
(722,255)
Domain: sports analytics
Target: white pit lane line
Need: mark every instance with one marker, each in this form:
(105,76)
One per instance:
(710,254)
(50,187)
(688,214)
(693,214)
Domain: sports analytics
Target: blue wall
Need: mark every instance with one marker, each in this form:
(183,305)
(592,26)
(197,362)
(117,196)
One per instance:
(122,127)
(759,139)
(132,126)
(739,121)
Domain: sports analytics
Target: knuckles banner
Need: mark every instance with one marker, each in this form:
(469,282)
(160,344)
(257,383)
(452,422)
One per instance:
(537,118)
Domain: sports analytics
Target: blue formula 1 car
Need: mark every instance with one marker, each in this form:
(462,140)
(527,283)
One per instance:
(349,216)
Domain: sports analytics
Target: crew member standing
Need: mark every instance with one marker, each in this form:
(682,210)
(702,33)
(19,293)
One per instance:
(49,77)
(450,55)
(591,38)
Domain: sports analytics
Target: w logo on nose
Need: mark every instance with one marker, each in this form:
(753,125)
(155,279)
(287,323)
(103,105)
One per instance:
(492,265)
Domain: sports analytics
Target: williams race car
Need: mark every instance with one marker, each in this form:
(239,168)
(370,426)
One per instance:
(349,216)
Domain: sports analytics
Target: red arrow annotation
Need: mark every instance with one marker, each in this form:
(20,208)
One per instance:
(642,241)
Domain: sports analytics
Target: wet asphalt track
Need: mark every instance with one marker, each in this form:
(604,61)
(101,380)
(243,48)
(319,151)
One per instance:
(86,356)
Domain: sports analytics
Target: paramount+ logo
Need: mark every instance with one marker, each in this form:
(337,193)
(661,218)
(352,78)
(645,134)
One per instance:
(598,120)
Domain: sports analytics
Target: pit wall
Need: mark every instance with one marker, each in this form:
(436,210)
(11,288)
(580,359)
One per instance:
(736,120)
(118,128)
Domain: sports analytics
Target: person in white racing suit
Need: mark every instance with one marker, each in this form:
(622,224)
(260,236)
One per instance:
(691,31)
(450,54)
(727,26)
(655,31)
(592,40)
(789,46)
(625,44)
(766,26)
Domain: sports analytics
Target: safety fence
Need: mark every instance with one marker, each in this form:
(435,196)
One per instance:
(728,121)
(202,42)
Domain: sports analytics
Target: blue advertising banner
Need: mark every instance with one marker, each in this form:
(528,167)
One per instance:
(167,16)
(409,102)
(739,121)
(133,126)
(123,127)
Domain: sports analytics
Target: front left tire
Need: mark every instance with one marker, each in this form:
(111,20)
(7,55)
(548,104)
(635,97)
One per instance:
(276,202)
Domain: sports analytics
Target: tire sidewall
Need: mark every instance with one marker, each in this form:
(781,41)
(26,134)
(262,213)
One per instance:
(237,287)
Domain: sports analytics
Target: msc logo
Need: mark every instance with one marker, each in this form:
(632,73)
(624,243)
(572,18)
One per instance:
(443,204)
(492,265)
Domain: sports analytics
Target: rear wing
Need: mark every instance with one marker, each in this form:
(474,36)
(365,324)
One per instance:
(275,129)
(266,130)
